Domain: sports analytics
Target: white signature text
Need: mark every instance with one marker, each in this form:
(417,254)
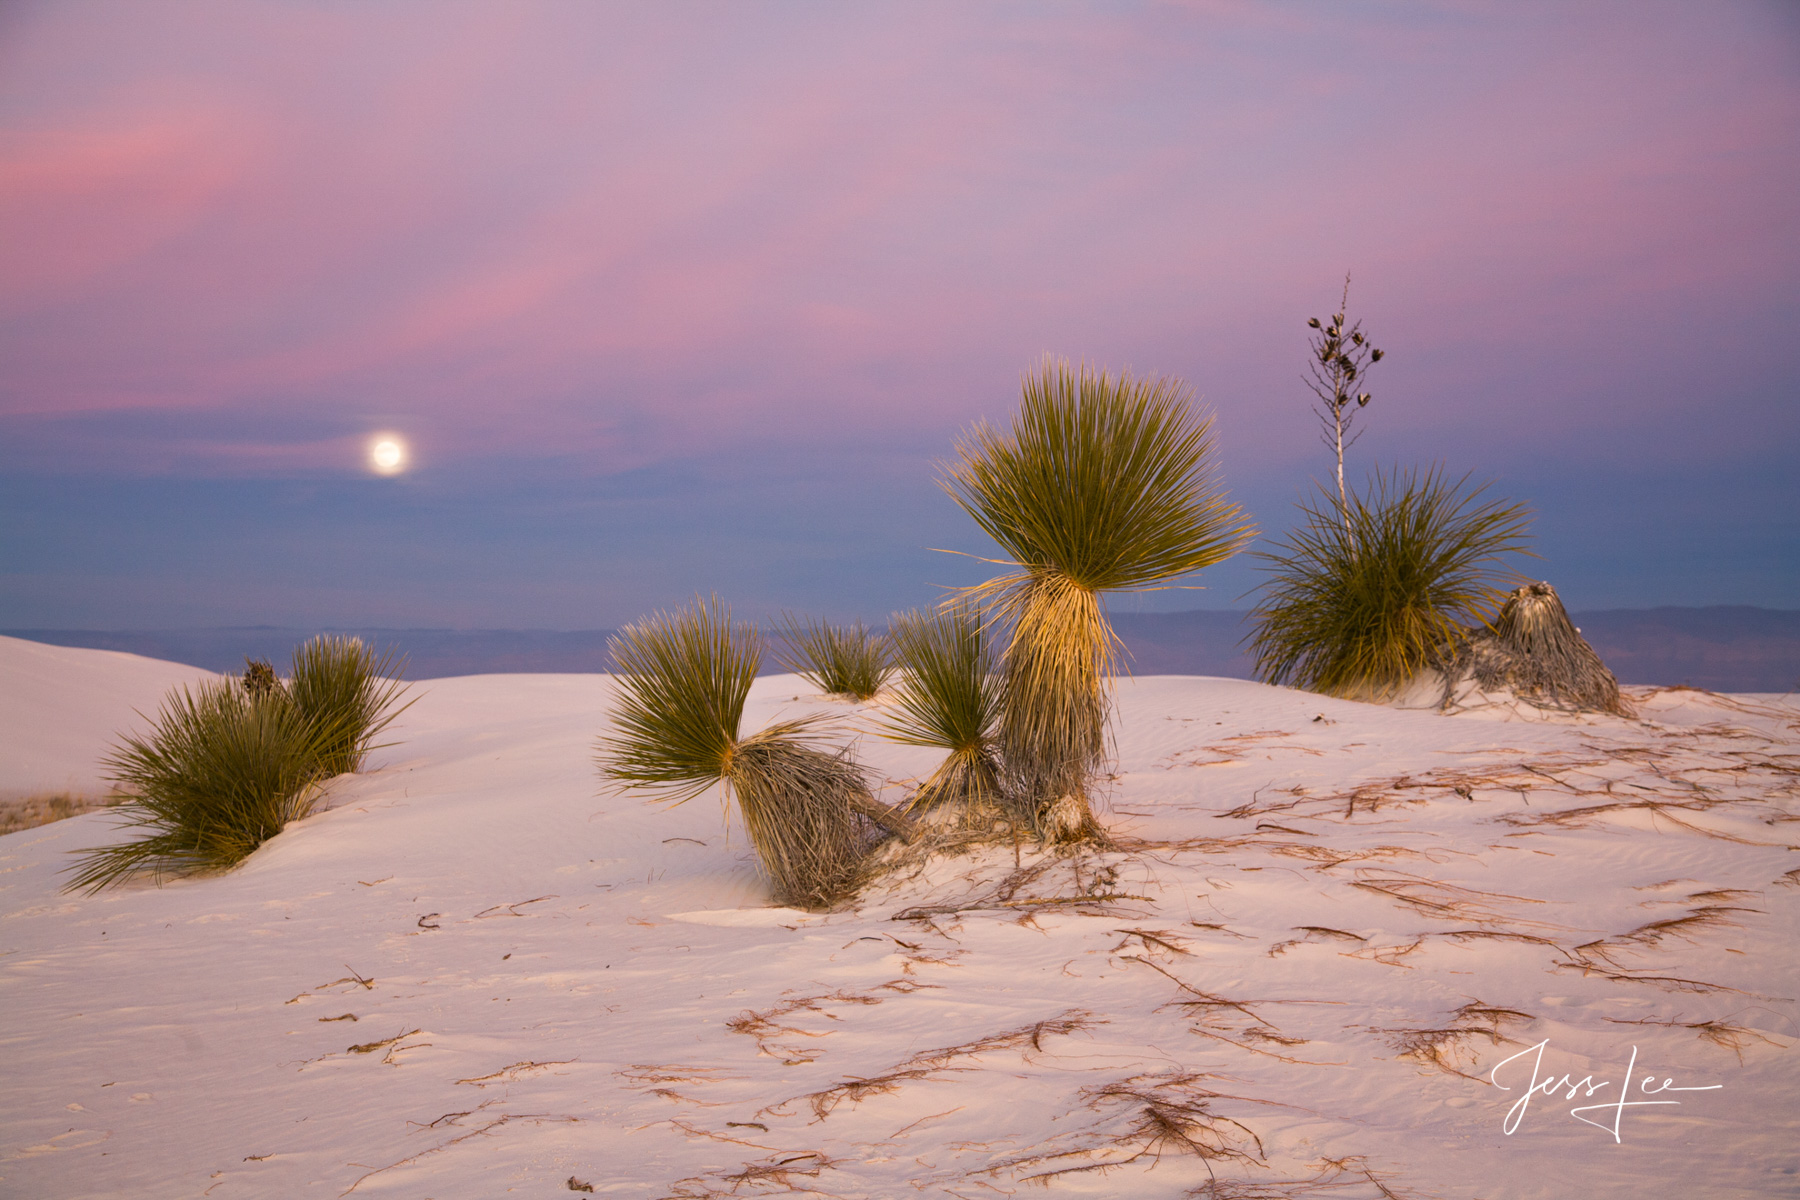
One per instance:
(1545,1085)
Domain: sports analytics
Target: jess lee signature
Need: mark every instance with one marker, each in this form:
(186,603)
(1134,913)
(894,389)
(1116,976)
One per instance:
(1546,1084)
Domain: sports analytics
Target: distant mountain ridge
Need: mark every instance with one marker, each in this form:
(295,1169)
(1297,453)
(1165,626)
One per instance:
(1725,648)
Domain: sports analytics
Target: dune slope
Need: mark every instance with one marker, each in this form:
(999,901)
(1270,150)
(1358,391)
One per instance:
(1333,944)
(61,707)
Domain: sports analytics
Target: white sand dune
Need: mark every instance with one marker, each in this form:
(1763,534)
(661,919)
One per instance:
(1325,925)
(60,708)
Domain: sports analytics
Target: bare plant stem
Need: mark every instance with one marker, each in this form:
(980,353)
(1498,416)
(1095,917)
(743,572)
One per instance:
(1340,356)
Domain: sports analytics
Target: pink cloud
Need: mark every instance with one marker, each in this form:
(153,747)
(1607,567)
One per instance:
(630,233)
(85,202)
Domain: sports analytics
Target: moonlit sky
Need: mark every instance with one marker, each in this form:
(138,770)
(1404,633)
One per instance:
(681,297)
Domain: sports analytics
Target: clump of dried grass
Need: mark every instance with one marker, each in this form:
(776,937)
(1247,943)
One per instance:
(1533,650)
(683,680)
(1164,1112)
(28,812)
(927,1063)
(1447,1048)
(1720,1033)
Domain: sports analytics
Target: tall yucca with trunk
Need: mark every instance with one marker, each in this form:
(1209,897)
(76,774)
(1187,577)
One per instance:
(948,698)
(683,680)
(1104,483)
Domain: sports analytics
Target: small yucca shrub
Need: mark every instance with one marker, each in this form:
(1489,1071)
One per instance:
(347,694)
(227,765)
(948,698)
(683,678)
(220,772)
(1361,597)
(843,660)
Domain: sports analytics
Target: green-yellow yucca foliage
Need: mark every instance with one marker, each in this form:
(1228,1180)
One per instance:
(348,694)
(683,679)
(1365,594)
(1103,483)
(844,660)
(948,698)
(220,772)
(227,765)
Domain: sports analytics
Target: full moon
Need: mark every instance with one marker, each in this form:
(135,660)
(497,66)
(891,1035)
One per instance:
(387,454)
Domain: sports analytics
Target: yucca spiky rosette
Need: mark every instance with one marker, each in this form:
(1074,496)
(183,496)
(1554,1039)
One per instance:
(1104,483)
(683,680)
(227,764)
(220,772)
(948,698)
(843,660)
(1364,595)
(348,693)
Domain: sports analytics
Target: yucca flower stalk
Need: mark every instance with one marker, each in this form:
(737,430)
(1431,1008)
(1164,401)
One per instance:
(843,660)
(1363,596)
(348,694)
(221,771)
(1337,367)
(948,698)
(259,678)
(683,678)
(1104,483)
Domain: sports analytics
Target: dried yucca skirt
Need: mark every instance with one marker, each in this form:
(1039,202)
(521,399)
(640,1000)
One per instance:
(803,810)
(1534,651)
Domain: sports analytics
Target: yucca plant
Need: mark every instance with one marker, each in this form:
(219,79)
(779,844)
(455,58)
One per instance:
(948,698)
(220,772)
(1362,596)
(683,680)
(347,694)
(227,765)
(843,660)
(1104,483)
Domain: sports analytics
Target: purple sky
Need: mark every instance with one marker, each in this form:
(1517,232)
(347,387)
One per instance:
(674,297)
